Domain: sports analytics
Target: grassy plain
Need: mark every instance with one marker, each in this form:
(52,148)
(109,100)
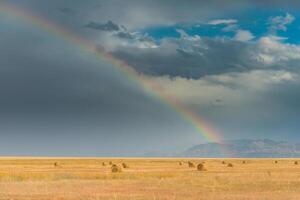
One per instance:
(155,179)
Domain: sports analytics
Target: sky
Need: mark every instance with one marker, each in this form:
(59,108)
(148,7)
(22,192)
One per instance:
(233,64)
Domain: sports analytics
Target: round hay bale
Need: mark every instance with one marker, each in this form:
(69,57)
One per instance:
(230,165)
(180,163)
(110,163)
(191,164)
(115,169)
(200,167)
(244,162)
(56,164)
(103,164)
(275,161)
(223,162)
(296,162)
(124,165)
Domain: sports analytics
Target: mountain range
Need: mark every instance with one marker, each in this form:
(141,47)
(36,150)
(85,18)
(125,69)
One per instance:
(245,148)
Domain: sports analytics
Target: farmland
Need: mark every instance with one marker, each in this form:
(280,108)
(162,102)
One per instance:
(157,178)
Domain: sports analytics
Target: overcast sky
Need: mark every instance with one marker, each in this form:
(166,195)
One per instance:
(234,63)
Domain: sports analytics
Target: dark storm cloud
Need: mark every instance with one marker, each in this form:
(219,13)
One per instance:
(125,35)
(52,94)
(118,31)
(109,26)
(211,57)
(57,82)
(196,56)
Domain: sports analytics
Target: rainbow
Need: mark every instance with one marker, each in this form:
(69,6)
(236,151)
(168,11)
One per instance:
(150,86)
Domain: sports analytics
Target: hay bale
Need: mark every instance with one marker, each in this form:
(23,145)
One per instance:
(124,165)
(180,163)
(275,161)
(200,167)
(110,163)
(103,164)
(223,162)
(244,162)
(230,165)
(191,164)
(56,164)
(296,162)
(115,169)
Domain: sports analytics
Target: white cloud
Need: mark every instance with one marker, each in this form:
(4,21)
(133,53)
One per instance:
(222,21)
(270,50)
(185,36)
(280,22)
(196,57)
(243,35)
(230,28)
(254,80)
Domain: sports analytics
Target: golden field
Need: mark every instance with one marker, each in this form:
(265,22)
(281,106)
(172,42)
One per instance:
(88,179)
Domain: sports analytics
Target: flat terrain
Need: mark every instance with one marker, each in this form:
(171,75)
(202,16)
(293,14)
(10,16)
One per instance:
(89,179)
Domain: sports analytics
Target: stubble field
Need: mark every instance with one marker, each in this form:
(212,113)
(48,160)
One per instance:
(93,179)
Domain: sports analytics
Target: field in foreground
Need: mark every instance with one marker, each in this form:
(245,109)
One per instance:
(92,179)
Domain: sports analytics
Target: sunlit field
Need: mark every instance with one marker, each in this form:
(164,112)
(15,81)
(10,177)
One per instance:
(85,179)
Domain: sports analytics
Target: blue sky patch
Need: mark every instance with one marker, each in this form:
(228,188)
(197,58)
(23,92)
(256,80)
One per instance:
(256,21)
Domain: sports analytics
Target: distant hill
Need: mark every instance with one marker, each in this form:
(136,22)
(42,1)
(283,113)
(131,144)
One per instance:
(238,148)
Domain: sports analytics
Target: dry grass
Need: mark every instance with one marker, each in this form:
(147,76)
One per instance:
(86,179)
